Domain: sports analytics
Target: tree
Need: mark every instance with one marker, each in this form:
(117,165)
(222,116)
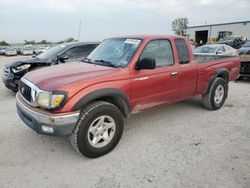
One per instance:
(70,39)
(44,42)
(179,26)
(3,43)
(29,42)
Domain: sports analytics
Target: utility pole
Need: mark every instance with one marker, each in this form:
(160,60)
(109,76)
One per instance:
(79,32)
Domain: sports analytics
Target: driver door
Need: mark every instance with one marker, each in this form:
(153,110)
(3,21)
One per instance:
(157,86)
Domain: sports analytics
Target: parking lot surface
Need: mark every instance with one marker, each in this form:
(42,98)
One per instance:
(180,145)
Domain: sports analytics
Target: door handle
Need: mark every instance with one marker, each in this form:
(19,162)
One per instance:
(174,74)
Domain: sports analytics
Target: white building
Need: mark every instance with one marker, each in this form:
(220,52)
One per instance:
(206,33)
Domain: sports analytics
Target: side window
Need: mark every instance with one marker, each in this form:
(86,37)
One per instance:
(86,49)
(74,52)
(161,51)
(80,51)
(182,49)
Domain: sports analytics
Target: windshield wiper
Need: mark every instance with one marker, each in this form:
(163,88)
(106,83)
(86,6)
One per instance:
(86,60)
(104,62)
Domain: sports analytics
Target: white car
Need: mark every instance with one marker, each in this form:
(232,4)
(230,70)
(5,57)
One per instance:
(41,50)
(216,49)
(10,52)
(3,49)
(27,51)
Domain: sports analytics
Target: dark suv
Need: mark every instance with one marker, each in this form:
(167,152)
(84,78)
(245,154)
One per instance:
(63,53)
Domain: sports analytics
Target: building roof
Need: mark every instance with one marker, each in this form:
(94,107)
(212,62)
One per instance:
(150,37)
(230,23)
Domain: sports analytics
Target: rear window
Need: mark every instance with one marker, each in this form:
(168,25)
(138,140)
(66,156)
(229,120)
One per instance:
(182,49)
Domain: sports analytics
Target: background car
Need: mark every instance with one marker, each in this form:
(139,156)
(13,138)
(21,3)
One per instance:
(10,52)
(245,49)
(41,49)
(216,49)
(62,53)
(235,43)
(3,49)
(26,51)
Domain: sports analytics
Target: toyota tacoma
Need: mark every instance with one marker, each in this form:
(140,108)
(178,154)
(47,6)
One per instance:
(89,100)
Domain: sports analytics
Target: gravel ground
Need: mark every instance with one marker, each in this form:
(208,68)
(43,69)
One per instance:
(181,145)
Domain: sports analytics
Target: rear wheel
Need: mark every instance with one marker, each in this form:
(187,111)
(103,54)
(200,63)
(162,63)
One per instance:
(98,130)
(216,94)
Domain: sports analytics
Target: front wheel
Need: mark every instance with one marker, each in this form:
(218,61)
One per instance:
(216,94)
(98,130)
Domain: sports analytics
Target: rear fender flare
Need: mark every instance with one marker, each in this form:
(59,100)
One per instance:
(221,72)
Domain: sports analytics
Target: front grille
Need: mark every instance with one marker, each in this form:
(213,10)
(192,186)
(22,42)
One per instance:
(245,67)
(25,91)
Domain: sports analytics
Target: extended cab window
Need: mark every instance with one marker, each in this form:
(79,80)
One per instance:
(182,49)
(161,51)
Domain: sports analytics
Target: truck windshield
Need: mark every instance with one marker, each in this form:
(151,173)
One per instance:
(117,52)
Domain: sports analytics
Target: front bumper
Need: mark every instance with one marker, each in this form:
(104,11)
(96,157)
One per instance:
(61,124)
(245,69)
(10,80)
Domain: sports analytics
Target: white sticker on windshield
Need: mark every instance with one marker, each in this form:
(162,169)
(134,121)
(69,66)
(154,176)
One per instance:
(132,41)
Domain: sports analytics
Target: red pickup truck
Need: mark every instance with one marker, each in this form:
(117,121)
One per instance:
(89,100)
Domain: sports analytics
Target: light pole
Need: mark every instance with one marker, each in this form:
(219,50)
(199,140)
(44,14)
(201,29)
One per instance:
(79,32)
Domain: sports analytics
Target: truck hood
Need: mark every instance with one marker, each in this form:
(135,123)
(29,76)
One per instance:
(25,60)
(68,77)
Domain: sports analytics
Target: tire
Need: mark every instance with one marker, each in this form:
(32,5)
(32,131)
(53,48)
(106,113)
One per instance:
(239,79)
(210,99)
(82,138)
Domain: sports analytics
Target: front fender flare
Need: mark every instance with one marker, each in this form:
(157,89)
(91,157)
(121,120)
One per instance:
(115,94)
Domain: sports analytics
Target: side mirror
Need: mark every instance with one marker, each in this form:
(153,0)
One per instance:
(63,58)
(145,63)
(219,52)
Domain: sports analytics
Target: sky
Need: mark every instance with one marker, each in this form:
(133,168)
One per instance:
(55,20)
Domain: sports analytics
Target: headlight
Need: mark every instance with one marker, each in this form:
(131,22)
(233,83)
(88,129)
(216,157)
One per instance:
(20,68)
(50,100)
(43,99)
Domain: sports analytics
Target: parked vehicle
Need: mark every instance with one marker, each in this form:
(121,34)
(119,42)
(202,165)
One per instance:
(10,52)
(3,50)
(41,49)
(26,51)
(18,50)
(216,49)
(62,53)
(244,66)
(122,76)
(235,43)
(245,49)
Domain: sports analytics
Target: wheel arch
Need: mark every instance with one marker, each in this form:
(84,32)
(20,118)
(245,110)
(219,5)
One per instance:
(111,95)
(223,73)
(220,73)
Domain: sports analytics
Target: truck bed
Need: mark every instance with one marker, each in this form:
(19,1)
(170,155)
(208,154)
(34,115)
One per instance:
(208,65)
(207,58)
